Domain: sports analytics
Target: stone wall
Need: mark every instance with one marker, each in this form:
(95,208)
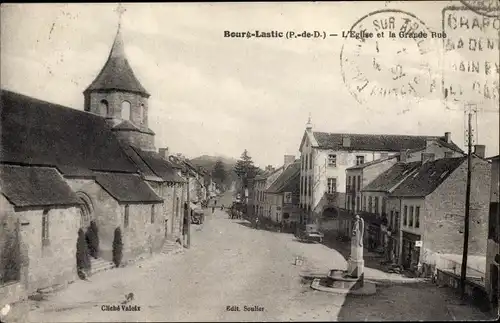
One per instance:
(445,209)
(115,99)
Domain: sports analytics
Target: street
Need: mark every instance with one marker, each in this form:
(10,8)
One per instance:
(233,272)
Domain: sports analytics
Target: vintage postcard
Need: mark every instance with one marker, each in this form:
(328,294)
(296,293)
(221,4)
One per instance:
(249,161)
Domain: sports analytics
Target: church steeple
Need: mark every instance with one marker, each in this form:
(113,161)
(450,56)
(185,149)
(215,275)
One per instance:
(117,95)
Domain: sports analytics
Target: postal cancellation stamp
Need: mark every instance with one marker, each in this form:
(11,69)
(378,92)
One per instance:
(389,54)
(488,8)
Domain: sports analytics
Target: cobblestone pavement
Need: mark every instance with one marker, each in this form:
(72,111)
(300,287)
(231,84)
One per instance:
(232,264)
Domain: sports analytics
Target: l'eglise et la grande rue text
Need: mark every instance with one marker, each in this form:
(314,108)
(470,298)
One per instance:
(391,34)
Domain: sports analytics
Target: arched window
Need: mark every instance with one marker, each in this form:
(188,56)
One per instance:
(142,114)
(104,108)
(126,110)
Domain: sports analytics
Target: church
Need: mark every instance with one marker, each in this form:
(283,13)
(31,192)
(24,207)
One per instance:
(62,170)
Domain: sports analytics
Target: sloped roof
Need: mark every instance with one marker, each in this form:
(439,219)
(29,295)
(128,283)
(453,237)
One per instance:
(35,186)
(144,169)
(117,73)
(127,125)
(394,143)
(373,162)
(428,177)
(391,177)
(158,165)
(284,179)
(127,188)
(36,132)
(267,173)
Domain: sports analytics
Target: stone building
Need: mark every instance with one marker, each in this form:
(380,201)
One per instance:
(431,204)
(62,169)
(261,182)
(326,156)
(283,194)
(492,277)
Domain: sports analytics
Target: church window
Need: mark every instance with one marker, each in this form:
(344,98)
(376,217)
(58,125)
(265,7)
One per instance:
(126,110)
(104,108)
(142,113)
(126,216)
(45,227)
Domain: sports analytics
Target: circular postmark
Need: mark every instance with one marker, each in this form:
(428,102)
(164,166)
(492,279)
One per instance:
(488,8)
(395,62)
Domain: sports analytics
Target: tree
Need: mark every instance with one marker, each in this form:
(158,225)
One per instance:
(117,247)
(245,169)
(219,173)
(83,263)
(93,240)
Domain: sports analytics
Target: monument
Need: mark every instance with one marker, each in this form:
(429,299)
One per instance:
(352,279)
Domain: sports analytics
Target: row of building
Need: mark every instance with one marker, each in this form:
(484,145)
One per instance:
(410,191)
(62,169)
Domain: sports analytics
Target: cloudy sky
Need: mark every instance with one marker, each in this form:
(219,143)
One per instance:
(218,96)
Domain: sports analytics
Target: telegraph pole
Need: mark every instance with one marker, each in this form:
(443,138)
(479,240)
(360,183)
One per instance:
(188,215)
(470,108)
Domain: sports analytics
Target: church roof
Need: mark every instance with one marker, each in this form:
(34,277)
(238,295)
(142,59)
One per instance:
(127,125)
(35,186)
(117,73)
(159,165)
(127,188)
(36,132)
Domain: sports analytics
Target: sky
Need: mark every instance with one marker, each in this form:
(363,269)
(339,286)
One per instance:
(216,95)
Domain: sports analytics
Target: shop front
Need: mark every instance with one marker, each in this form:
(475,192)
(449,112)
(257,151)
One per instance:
(411,251)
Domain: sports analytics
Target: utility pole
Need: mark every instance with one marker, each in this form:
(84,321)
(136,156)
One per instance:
(188,215)
(470,108)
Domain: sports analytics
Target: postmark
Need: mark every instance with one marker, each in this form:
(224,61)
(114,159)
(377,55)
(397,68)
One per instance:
(488,8)
(397,62)
(470,57)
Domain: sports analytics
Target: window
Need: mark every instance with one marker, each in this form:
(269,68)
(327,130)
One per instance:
(331,185)
(391,219)
(348,202)
(359,183)
(152,213)
(358,207)
(364,203)
(396,219)
(126,110)
(349,183)
(142,113)
(104,108)
(405,216)
(417,217)
(332,160)
(125,218)
(45,228)
(310,186)
(384,206)
(411,217)
(360,160)
(310,161)
(376,209)
(370,204)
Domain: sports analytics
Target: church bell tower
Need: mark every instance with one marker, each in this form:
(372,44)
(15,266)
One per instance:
(117,95)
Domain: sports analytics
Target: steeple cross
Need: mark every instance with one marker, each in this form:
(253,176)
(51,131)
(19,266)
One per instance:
(120,10)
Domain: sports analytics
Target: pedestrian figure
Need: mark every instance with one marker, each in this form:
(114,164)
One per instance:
(213,209)
(215,202)
(222,207)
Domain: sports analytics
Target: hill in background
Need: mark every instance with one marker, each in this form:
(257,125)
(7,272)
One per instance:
(208,163)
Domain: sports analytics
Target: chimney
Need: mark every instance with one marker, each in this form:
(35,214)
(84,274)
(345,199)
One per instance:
(447,137)
(164,153)
(346,141)
(289,159)
(479,150)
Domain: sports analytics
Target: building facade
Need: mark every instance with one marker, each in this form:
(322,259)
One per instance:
(325,157)
(493,250)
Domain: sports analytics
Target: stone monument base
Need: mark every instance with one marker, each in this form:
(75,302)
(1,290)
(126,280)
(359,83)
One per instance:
(340,282)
